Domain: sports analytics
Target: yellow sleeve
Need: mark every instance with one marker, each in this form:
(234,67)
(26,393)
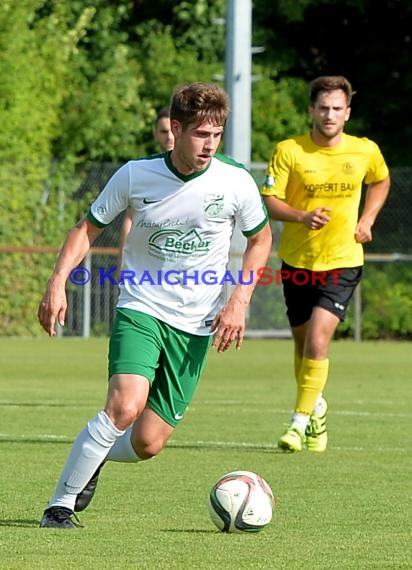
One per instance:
(378,169)
(277,174)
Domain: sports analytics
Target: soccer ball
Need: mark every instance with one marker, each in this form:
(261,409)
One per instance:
(241,501)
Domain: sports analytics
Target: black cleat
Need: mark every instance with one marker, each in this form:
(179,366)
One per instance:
(84,497)
(58,517)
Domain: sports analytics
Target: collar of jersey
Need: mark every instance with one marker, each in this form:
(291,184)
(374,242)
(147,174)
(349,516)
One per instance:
(184,177)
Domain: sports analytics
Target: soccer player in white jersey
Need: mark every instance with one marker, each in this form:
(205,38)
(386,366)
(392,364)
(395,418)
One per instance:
(170,309)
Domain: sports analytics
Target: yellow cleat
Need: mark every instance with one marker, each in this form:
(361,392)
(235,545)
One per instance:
(292,440)
(316,434)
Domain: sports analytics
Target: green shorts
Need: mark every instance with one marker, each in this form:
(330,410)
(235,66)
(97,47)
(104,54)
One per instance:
(172,360)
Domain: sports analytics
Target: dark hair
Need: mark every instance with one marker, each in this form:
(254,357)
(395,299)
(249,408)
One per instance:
(198,103)
(163,113)
(330,83)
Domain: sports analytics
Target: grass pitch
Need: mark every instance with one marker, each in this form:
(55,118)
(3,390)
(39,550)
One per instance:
(349,508)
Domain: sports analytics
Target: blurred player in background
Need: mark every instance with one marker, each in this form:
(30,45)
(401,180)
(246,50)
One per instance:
(313,184)
(163,136)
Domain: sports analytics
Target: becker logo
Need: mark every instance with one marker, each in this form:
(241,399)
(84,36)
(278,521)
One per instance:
(175,241)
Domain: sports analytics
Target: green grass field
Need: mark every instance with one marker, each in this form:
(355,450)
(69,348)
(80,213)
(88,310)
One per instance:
(349,508)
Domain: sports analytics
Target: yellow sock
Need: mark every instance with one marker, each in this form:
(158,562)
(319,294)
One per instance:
(312,379)
(298,364)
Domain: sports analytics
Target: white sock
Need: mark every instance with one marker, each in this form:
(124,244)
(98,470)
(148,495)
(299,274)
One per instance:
(300,421)
(88,452)
(122,450)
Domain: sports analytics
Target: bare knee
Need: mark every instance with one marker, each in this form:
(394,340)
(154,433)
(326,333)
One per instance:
(122,417)
(148,449)
(126,398)
(150,434)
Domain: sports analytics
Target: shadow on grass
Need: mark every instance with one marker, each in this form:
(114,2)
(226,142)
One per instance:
(269,448)
(22,523)
(36,440)
(190,530)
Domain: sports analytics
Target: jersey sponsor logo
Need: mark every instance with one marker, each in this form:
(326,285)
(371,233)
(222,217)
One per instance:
(167,223)
(331,188)
(213,205)
(146,201)
(178,242)
(348,168)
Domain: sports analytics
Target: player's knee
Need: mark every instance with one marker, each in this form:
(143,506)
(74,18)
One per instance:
(123,417)
(147,449)
(150,449)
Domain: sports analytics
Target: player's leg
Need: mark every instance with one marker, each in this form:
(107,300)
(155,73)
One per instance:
(127,398)
(150,434)
(133,357)
(135,347)
(310,405)
(299,336)
(315,364)
(143,440)
(294,437)
(332,304)
(182,358)
(299,299)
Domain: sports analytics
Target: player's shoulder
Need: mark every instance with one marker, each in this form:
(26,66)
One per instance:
(225,161)
(150,158)
(229,168)
(293,144)
(146,165)
(357,142)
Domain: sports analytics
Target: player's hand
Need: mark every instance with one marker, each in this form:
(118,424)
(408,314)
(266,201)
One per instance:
(363,232)
(316,219)
(52,308)
(229,324)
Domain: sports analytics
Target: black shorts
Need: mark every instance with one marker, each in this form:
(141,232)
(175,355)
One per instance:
(304,289)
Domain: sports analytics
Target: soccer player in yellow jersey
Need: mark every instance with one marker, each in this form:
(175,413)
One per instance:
(313,184)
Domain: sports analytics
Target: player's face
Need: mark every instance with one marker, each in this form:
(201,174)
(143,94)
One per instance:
(163,135)
(329,115)
(195,145)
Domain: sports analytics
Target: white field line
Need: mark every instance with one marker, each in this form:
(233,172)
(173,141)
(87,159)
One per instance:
(223,403)
(266,406)
(201,444)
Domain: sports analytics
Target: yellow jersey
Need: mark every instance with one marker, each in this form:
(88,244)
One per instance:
(307,176)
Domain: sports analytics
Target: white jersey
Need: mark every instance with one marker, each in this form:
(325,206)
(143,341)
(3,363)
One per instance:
(175,256)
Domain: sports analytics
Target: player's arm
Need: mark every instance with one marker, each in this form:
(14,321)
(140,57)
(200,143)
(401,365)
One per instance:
(280,210)
(376,196)
(274,192)
(230,322)
(53,306)
(124,232)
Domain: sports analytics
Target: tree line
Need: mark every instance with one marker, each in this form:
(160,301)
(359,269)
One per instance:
(82,81)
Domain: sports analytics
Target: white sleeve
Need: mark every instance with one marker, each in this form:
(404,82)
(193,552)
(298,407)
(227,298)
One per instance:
(114,198)
(251,214)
